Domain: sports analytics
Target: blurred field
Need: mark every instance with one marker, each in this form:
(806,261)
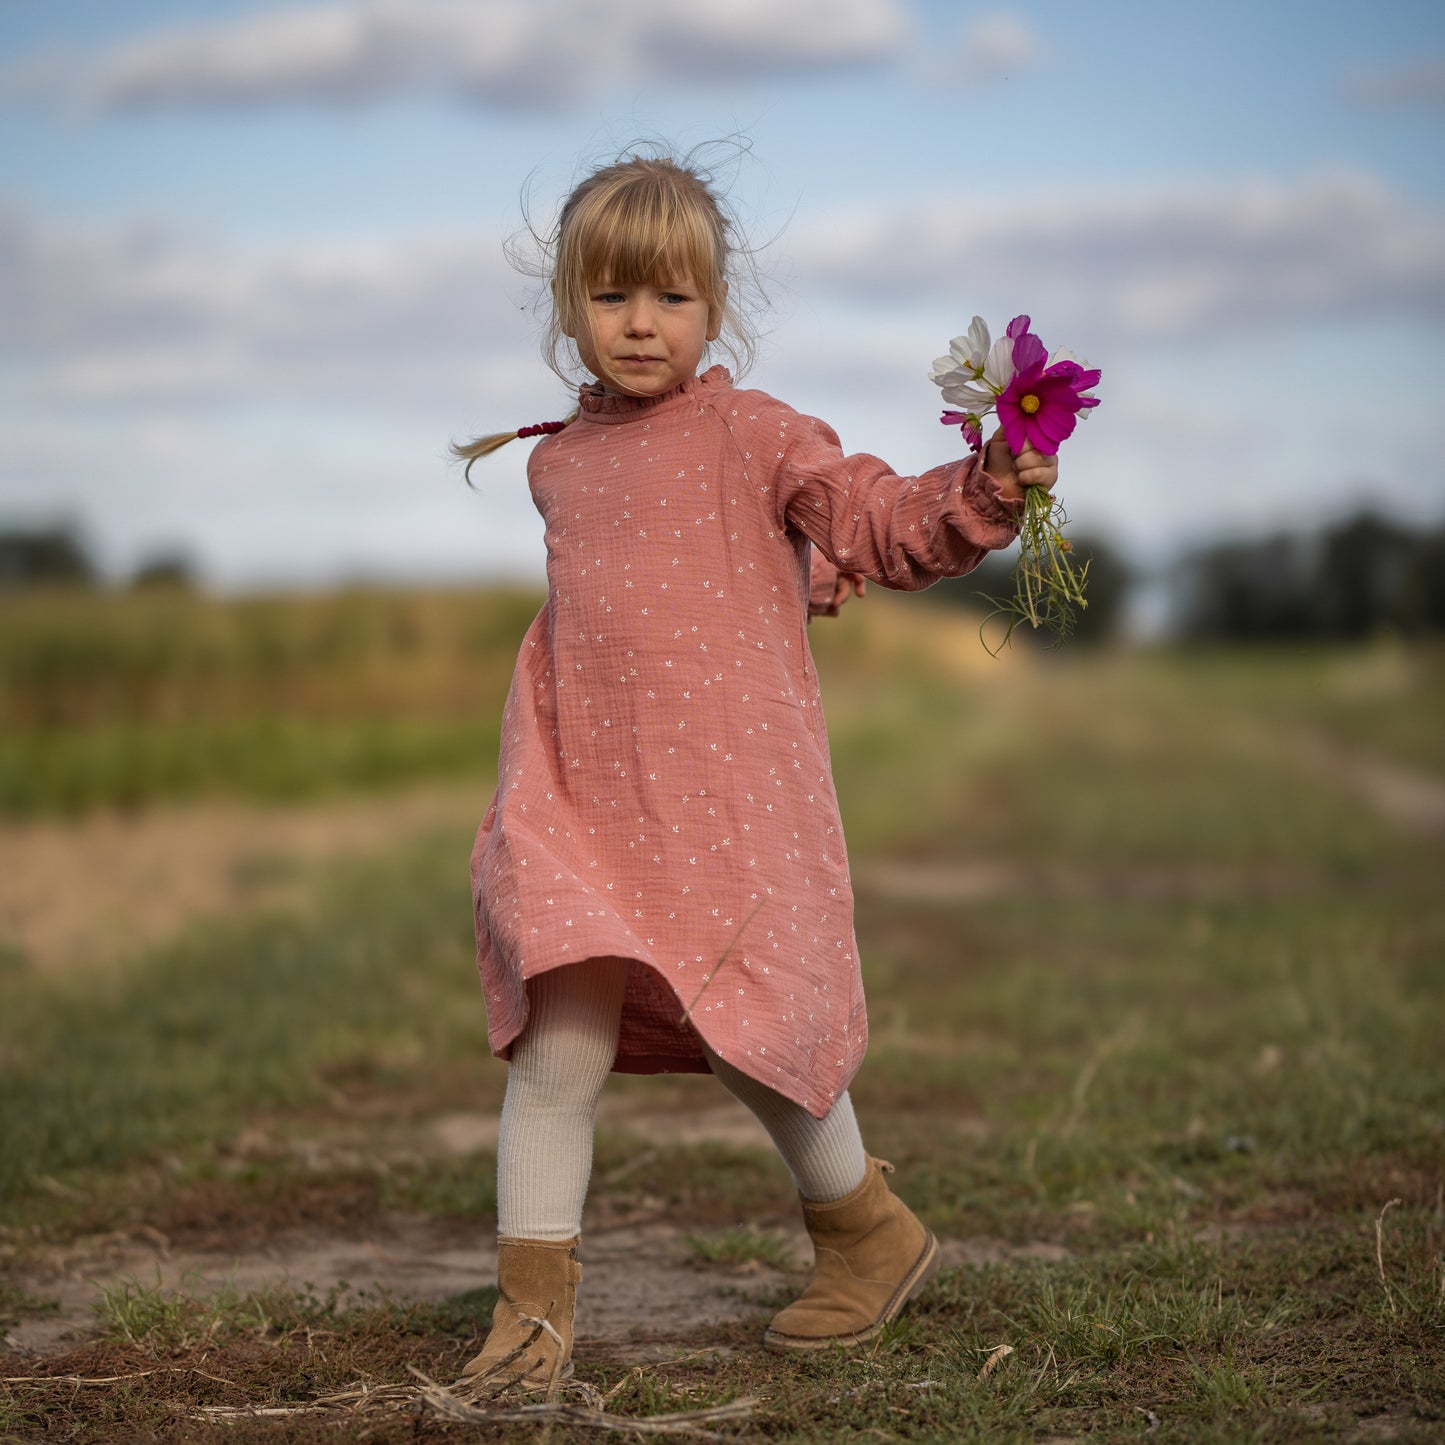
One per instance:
(1156,959)
(119,701)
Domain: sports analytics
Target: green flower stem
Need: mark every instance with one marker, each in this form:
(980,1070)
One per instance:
(1048,587)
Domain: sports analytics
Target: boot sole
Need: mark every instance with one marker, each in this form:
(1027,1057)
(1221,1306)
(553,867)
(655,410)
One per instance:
(913,1285)
(540,1387)
(522,1383)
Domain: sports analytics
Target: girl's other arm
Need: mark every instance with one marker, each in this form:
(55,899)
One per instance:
(829,588)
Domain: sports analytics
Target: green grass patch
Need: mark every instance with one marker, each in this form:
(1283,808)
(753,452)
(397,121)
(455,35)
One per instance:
(165,1322)
(268,759)
(17,1304)
(236,1019)
(739,1247)
(706,1181)
(118,701)
(461,1189)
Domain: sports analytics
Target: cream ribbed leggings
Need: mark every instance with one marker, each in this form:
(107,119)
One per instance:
(558,1067)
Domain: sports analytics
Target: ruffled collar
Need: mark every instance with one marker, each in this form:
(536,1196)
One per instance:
(603,406)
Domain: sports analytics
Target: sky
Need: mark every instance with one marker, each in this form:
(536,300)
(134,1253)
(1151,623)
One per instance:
(255,276)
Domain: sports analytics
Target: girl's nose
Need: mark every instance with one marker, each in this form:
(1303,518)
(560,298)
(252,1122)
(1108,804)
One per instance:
(639,319)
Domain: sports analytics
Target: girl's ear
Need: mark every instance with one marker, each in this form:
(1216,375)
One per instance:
(715,318)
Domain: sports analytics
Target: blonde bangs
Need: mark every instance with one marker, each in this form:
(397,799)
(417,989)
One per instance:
(648,237)
(642,221)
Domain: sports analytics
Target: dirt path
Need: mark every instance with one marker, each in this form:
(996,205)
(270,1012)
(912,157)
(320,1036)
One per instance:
(94,891)
(1406,797)
(641,1293)
(639,1286)
(643,1290)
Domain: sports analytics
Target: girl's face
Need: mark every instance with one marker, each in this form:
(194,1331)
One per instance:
(646,338)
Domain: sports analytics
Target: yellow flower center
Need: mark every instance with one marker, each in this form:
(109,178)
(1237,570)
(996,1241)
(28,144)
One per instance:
(1028,403)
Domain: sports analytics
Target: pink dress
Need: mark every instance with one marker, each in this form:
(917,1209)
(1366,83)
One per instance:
(664,792)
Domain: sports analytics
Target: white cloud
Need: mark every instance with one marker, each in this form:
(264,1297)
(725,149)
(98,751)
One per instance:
(144,312)
(1164,263)
(432,322)
(524,53)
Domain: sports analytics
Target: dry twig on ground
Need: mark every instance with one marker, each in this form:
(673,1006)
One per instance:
(429,1397)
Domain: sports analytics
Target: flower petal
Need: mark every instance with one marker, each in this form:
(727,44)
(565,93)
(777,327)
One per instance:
(1029,352)
(978,342)
(967,397)
(999,369)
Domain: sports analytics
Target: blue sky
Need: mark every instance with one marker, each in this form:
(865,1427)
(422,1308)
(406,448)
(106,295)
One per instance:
(255,282)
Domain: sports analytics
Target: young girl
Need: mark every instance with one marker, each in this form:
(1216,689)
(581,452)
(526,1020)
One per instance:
(660,882)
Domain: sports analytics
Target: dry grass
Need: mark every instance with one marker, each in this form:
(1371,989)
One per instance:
(147,875)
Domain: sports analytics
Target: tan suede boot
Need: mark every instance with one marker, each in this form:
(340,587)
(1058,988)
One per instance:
(873,1257)
(530,1344)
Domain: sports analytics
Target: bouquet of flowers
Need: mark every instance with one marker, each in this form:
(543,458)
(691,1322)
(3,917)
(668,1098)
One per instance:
(1038,398)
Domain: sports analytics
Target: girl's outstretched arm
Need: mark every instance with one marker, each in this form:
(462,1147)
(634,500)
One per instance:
(905,532)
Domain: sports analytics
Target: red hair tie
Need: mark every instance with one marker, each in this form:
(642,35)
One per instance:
(543,428)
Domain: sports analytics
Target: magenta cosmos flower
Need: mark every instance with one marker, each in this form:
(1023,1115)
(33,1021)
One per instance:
(1041,404)
(971,427)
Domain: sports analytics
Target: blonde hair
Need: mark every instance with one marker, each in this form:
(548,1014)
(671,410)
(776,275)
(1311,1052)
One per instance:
(647,217)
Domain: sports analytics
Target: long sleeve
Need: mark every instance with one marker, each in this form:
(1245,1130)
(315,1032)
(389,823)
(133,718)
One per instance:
(905,532)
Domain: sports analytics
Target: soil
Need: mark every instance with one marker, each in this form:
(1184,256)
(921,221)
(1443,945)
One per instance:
(91,892)
(643,1290)
(641,1293)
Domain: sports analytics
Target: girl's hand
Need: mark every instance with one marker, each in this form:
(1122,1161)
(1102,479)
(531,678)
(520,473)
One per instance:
(828,588)
(849,584)
(845,585)
(1013,473)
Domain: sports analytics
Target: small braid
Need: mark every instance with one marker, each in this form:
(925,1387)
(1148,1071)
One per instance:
(470,452)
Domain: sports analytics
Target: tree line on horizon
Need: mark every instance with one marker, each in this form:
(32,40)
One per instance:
(1346,580)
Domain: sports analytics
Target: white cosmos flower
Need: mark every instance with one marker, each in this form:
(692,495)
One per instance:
(947,370)
(966,356)
(962,396)
(971,350)
(975,371)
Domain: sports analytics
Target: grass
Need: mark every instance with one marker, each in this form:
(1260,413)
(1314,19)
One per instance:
(268,759)
(164,1322)
(16,1304)
(70,659)
(236,1019)
(738,1248)
(117,701)
(1158,1083)
(167,1323)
